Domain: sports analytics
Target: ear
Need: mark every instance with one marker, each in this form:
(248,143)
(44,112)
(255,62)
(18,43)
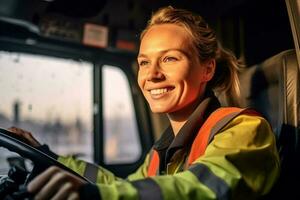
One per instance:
(209,69)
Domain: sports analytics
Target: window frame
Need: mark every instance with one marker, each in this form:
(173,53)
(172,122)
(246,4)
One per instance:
(38,45)
(142,117)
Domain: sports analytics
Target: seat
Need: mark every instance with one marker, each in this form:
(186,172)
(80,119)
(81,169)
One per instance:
(272,88)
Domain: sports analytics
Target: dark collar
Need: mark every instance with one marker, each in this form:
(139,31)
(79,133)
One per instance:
(188,132)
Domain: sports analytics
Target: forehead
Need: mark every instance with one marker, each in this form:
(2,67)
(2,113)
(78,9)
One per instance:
(164,37)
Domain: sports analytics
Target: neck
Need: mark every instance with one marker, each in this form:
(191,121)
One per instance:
(180,117)
(176,125)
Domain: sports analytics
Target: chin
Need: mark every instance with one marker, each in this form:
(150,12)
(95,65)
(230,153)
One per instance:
(158,110)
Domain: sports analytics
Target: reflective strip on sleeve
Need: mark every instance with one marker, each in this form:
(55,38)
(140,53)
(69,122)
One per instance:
(148,189)
(91,172)
(213,182)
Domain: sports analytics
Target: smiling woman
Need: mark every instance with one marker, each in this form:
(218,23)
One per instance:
(208,151)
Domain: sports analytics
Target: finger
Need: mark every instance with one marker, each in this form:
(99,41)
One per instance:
(31,139)
(26,136)
(63,192)
(38,182)
(14,130)
(17,131)
(52,186)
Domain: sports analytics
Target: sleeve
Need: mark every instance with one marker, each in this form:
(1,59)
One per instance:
(91,171)
(98,174)
(94,173)
(240,163)
(141,172)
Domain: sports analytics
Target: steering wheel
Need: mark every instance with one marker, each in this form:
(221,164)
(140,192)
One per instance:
(41,161)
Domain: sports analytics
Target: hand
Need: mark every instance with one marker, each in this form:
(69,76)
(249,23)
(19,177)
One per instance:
(25,135)
(55,183)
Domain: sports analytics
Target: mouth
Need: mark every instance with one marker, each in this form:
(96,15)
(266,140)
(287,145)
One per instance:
(160,91)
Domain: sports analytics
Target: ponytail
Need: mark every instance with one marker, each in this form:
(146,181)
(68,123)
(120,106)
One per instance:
(225,81)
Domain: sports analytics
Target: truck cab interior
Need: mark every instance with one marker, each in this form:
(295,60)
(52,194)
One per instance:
(92,44)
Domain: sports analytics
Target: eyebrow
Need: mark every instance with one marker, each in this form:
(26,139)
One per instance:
(165,51)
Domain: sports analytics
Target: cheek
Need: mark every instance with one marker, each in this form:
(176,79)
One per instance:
(179,74)
(194,81)
(197,75)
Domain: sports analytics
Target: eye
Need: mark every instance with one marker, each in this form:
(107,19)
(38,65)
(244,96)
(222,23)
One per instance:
(170,59)
(143,63)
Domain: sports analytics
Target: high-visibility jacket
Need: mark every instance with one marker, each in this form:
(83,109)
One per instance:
(216,121)
(239,161)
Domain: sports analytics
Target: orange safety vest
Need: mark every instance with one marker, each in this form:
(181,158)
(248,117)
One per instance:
(214,123)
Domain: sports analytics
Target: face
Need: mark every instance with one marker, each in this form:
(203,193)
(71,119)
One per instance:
(170,75)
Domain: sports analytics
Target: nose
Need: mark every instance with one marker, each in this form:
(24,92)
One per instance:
(155,73)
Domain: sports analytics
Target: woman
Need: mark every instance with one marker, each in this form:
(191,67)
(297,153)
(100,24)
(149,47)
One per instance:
(208,152)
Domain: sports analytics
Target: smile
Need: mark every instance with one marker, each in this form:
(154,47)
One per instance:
(160,91)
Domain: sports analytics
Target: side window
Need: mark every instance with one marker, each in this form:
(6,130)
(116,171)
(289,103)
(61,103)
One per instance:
(121,139)
(52,98)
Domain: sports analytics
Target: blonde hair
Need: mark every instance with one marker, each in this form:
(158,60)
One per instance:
(206,45)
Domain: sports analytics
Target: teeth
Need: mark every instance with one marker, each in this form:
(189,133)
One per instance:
(158,91)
